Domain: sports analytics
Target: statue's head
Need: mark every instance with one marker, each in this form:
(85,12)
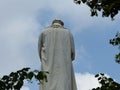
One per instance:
(58,21)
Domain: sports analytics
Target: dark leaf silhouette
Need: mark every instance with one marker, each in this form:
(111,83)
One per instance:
(15,80)
(109,8)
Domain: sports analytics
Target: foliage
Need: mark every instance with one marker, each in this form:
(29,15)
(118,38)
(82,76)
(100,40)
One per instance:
(15,80)
(107,7)
(116,42)
(106,83)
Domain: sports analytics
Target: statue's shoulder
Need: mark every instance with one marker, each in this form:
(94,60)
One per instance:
(45,29)
(66,29)
(50,28)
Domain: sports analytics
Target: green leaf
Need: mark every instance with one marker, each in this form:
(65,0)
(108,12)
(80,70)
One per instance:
(79,2)
(30,75)
(18,85)
(96,75)
(26,69)
(99,78)
(2,85)
(102,74)
(110,79)
(5,77)
(84,1)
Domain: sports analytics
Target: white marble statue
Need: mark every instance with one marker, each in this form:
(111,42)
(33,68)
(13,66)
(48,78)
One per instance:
(56,51)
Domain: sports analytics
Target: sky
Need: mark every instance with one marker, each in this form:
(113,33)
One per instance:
(21,22)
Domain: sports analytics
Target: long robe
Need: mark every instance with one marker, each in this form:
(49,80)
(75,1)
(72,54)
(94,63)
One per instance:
(56,51)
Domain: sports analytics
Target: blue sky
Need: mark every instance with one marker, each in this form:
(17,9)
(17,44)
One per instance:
(21,22)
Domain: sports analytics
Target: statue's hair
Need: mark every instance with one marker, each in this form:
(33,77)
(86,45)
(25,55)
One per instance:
(58,21)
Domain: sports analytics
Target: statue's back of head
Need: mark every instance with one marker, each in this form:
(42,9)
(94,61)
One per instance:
(58,21)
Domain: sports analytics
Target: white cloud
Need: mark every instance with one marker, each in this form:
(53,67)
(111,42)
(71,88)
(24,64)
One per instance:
(18,46)
(86,81)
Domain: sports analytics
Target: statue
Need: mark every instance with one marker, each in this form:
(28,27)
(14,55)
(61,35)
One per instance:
(56,51)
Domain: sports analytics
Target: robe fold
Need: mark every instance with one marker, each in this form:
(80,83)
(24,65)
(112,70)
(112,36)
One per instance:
(57,51)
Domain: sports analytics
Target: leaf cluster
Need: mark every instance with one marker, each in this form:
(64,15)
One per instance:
(15,80)
(106,83)
(116,42)
(107,7)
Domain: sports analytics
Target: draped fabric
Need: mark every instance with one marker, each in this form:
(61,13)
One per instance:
(56,51)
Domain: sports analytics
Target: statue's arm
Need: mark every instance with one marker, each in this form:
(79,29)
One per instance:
(40,44)
(72,47)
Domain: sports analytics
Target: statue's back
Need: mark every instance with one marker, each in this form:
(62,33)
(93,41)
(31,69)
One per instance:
(57,53)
